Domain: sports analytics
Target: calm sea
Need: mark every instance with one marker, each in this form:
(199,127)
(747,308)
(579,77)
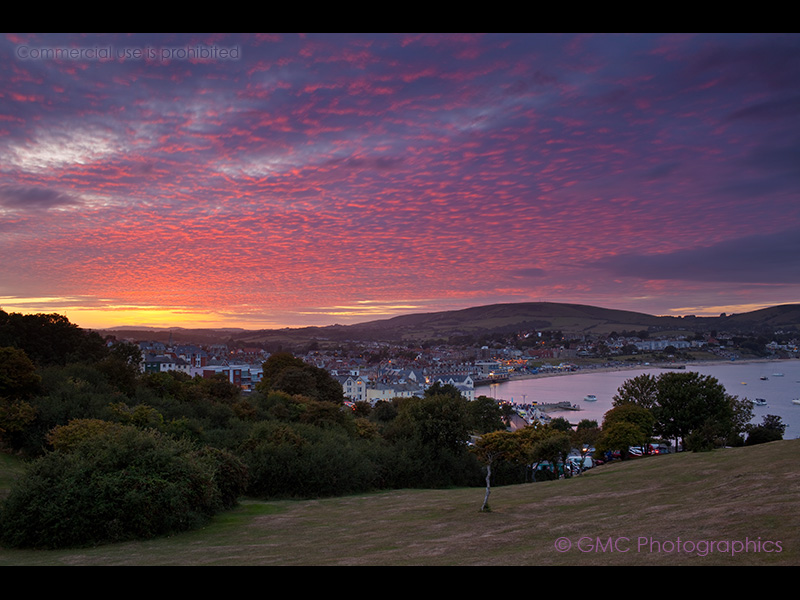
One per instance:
(742,379)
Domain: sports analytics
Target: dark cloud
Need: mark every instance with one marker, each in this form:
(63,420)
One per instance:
(782,158)
(33,198)
(379,163)
(756,259)
(765,111)
(661,171)
(529,273)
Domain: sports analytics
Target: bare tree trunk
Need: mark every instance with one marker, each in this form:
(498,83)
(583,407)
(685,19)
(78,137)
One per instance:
(485,506)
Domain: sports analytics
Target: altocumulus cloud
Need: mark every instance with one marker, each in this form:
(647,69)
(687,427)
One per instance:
(762,258)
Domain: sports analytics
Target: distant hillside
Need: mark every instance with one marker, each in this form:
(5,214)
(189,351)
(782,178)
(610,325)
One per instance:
(785,316)
(498,318)
(571,319)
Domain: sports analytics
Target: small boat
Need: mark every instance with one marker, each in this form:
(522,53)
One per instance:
(777,374)
(590,398)
(796,401)
(760,402)
(764,378)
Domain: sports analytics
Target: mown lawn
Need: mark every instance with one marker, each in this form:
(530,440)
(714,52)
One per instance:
(731,507)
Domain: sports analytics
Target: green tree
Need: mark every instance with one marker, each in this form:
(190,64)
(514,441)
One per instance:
(18,377)
(641,390)
(693,403)
(429,441)
(122,366)
(552,448)
(284,372)
(741,416)
(485,415)
(493,447)
(636,415)
(300,460)
(383,412)
(620,436)
(771,429)
(19,382)
(66,438)
(440,422)
(585,437)
(560,424)
(443,389)
(50,339)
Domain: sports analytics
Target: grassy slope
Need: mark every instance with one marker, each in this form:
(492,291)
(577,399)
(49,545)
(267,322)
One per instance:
(725,496)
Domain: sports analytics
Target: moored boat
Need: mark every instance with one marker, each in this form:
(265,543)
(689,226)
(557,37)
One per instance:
(590,398)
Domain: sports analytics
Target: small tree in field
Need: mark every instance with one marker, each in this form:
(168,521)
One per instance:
(492,447)
(620,436)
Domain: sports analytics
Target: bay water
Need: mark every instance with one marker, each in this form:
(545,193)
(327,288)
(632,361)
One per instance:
(778,382)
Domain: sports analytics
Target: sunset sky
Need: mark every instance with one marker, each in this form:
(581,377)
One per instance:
(269,180)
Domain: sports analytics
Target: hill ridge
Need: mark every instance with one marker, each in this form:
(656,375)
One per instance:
(580,319)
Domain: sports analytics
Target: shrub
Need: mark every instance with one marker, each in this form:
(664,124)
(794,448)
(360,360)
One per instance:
(118,485)
(297,460)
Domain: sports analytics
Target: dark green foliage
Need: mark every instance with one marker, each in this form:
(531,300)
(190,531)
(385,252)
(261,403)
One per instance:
(297,460)
(122,366)
(771,429)
(50,339)
(131,484)
(641,390)
(553,448)
(443,389)
(429,438)
(620,435)
(19,382)
(634,414)
(383,412)
(284,372)
(485,415)
(696,405)
(560,424)
(439,422)
(18,378)
(690,407)
(74,391)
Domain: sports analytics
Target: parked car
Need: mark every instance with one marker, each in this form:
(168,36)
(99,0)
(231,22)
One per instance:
(588,462)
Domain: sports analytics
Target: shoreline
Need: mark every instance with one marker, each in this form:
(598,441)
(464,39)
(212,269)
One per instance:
(636,367)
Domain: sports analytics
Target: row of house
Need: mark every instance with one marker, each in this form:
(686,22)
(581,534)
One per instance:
(194,361)
(244,376)
(358,388)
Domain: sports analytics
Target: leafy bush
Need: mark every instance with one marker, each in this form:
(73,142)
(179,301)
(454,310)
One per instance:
(305,461)
(120,484)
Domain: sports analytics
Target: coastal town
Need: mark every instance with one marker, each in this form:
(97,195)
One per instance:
(374,371)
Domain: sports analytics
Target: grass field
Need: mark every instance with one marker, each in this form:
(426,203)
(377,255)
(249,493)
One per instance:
(731,507)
